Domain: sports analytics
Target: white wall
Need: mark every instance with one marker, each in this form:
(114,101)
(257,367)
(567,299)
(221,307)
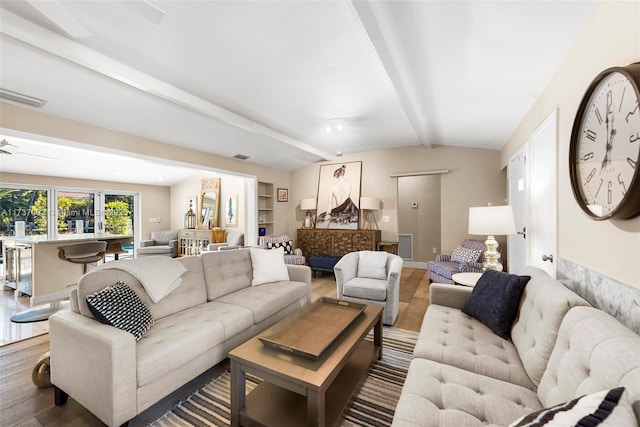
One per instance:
(611,39)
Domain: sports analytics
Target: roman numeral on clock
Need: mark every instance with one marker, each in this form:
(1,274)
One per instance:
(591,135)
(631,162)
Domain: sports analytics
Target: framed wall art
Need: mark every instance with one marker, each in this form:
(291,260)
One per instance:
(283,195)
(339,196)
(231,210)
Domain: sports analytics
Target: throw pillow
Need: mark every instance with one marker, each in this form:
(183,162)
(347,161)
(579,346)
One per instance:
(120,306)
(461,254)
(372,265)
(495,299)
(288,246)
(604,408)
(268,266)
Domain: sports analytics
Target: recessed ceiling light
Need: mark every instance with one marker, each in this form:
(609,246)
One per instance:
(161,178)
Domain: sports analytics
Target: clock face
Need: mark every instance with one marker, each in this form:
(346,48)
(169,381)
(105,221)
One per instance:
(607,146)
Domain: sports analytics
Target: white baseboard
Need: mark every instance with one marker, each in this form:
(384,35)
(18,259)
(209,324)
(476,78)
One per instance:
(415,264)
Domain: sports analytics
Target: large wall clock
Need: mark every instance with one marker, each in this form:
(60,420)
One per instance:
(604,152)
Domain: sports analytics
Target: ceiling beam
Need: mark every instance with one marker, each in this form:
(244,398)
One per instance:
(369,17)
(42,38)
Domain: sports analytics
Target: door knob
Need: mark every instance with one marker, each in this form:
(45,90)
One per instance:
(523,232)
(547,258)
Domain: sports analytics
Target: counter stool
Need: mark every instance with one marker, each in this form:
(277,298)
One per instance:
(83,253)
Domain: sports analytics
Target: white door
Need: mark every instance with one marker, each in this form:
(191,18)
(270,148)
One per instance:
(543,195)
(518,186)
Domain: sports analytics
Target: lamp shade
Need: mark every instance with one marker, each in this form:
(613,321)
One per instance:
(307,204)
(370,203)
(491,220)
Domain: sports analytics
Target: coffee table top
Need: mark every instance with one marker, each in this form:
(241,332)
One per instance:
(315,374)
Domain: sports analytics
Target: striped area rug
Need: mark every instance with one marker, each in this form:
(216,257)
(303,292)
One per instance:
(374,405)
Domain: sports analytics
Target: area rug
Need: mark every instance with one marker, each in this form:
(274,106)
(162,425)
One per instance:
(374,405)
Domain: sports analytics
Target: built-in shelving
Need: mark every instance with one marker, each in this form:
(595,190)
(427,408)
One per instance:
(265,207)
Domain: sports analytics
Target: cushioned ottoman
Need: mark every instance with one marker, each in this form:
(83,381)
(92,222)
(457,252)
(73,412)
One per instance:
(323,263)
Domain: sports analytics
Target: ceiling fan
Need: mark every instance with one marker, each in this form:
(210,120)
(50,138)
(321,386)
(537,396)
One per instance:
(7,148)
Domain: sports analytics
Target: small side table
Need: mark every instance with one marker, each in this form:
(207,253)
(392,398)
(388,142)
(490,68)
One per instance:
(391,247)
(466,279)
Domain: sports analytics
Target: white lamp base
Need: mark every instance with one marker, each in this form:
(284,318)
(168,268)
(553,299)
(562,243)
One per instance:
(491,255)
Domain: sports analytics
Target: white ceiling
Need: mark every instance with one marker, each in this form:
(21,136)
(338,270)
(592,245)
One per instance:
(263,78)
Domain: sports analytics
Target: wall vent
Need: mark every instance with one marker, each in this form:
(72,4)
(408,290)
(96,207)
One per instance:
(240,157)
(405,246)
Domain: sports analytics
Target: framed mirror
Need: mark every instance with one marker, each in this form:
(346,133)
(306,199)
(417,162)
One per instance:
(210,203)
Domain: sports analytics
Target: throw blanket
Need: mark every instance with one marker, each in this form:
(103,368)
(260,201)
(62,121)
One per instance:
(159,275)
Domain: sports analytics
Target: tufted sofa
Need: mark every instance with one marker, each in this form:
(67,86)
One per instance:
(561,348)
(214,310)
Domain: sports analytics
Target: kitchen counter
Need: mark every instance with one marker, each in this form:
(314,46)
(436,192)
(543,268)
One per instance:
(33,268)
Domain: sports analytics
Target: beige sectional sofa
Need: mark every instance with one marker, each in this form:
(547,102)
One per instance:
(214,309)
(561,348)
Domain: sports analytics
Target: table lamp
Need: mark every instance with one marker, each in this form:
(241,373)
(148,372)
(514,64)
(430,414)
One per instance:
(490,221)
(368,205)
(308,205)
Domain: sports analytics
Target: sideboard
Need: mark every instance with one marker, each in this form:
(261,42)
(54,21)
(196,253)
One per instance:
(194,241)
(336,242)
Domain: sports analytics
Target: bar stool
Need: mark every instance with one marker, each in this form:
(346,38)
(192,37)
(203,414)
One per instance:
(83,253)
(114,247)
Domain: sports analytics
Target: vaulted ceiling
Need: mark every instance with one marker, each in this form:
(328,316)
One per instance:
(266,78)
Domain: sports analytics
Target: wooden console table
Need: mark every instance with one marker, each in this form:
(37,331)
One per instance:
(336,242)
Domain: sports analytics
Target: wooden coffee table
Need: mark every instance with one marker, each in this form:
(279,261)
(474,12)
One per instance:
(298,391)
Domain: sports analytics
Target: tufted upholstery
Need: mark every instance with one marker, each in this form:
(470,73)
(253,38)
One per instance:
(562,348)
(449,336)
(543,305)
(436,394)
(214,310)
(441,270)
(593,352)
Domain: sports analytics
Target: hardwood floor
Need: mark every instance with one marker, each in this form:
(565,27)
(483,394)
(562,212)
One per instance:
(22,404)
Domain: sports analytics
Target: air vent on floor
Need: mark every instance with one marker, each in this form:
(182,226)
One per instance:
(405,246)
(240,157)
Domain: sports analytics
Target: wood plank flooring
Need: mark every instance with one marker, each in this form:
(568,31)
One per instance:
(24,405)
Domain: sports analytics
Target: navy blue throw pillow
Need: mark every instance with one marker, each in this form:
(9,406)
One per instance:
(494,300)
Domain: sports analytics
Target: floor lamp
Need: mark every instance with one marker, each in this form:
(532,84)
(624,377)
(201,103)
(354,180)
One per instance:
(368,205)
(490,221)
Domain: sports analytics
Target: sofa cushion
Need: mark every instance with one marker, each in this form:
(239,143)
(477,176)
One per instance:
(436,394)
(176,340)
(119,306)
(369,289)
(543,304)
(495,300)
(449,336)
(372,264)
(163,237)
(606,408)
(267,299)
(461,254)
(593,352)
(444,268)
(226,271)
(268,266)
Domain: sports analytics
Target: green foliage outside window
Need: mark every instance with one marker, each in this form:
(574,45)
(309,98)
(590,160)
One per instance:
(117,217)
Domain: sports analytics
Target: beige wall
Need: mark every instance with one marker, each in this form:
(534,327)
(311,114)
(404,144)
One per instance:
(612,39)
(475,179)
(154,200)
(422,221)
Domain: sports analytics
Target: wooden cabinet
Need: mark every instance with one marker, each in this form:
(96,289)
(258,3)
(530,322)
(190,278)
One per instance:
(265,207)
(192,242)
(336,242)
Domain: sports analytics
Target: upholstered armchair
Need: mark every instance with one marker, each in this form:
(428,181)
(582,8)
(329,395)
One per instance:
(371,277)
(161,243)
(291,255)
(234,240)
(467,258)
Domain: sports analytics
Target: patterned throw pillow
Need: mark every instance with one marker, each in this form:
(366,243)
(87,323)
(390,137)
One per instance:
(603,408)
(120,306)
(461,254)
(288,246)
